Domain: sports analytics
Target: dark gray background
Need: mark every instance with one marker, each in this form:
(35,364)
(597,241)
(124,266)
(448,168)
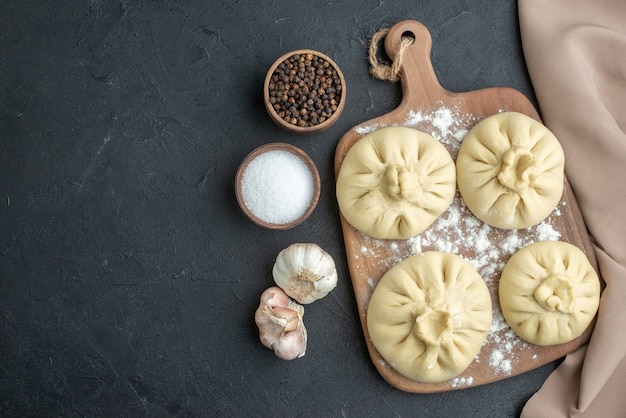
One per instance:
(129,276)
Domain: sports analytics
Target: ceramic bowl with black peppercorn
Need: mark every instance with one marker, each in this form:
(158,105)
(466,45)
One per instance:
(304,91)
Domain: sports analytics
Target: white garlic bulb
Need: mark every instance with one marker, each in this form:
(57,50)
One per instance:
(305,272)
(280,324)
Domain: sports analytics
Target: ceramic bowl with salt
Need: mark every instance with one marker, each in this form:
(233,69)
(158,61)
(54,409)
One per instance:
(277,186)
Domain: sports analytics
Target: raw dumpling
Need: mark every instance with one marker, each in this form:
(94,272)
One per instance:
(429,315)
(510,171)
(549,292)
(394,182)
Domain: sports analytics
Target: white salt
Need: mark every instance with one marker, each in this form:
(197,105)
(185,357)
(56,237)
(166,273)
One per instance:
(277,186)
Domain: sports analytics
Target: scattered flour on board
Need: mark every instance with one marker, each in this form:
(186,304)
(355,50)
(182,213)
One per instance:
(460,381)
(458,231)
(364,130)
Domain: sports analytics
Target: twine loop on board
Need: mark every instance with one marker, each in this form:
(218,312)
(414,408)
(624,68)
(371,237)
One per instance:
(381,70)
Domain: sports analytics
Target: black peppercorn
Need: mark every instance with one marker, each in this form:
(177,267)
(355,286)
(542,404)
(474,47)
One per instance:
(305,90)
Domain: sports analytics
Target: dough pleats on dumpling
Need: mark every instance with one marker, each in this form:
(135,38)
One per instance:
(429,315)
(549,292)
(510,171)
(394,182)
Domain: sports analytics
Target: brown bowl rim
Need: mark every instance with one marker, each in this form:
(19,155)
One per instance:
(306,130)
(281,146)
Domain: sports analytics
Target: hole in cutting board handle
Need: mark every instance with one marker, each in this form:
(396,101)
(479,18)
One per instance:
(408,34)
(413,29)
(417,74)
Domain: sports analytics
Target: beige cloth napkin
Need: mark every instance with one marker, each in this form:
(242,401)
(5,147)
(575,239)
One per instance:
(576,54)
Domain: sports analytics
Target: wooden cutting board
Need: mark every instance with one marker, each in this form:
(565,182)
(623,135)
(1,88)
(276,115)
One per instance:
(427,106)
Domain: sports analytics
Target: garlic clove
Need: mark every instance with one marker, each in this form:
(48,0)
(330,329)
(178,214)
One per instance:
(305,272)
(280,324)
(292,345)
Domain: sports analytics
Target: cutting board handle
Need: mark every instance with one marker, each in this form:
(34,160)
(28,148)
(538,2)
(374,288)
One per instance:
(418,79)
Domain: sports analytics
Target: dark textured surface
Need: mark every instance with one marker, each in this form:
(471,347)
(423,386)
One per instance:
(128,275)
